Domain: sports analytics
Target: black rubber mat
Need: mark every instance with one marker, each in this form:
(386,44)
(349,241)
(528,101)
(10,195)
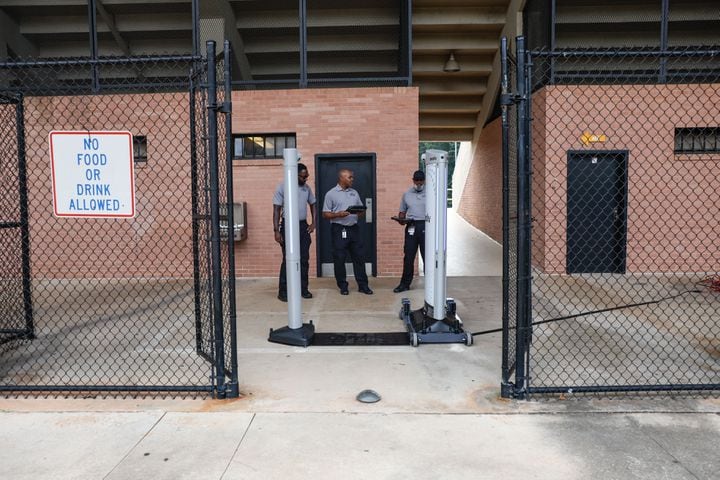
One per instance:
(349,338)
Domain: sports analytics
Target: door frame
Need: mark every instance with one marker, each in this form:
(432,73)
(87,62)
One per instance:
(626,155)
(319,157)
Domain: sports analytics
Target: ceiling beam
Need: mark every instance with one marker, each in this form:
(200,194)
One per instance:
(10,35)
(455,86)
(328,18)
(448,120)
(458,42)
(127,23)
(79,3)
(446,135)
(450,103)
(110,22)
(473,64)
(513,27)
(453,18)
(225,11)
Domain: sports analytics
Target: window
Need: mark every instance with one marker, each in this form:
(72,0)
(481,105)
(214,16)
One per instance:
(262,145)
(697,140)
(140,148)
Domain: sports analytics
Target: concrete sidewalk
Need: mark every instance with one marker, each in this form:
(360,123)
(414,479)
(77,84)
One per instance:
(151,443)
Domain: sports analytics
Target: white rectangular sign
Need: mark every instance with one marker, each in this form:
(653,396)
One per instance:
(92,174)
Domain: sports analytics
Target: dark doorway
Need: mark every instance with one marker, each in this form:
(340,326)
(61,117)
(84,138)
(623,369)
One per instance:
(326,168)
(597,212)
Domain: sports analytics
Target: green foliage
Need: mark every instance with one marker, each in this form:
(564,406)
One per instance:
(450,147)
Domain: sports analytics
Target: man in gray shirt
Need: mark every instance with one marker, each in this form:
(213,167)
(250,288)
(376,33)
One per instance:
(305,198)
(345,233)
(412,215)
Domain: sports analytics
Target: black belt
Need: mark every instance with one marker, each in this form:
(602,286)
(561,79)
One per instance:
(283,222)
(344,226)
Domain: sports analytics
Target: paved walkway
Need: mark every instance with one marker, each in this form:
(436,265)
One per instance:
(470,253)
(155,443)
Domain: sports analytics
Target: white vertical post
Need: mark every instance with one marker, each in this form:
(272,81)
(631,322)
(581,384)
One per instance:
(292,237)
(436,231)
(429,260)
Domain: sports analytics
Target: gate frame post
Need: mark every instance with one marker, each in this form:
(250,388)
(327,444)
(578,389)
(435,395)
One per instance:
(24,219)
(506,387)
(214,190)
(231,388)
(524,300)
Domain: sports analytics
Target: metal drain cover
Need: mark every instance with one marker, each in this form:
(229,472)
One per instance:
(368,396)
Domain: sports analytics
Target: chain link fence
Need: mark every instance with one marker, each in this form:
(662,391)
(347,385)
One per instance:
(94,301)
(625,239)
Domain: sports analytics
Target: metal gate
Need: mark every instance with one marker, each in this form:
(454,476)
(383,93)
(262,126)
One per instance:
(15,302)
(141,304)
(614,288)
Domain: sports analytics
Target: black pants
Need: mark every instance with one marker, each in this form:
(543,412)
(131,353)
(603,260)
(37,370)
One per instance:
(353,245)
(305,242)
(412,242)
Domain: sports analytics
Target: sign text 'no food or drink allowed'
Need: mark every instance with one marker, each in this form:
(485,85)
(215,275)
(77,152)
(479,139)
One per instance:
(92,174)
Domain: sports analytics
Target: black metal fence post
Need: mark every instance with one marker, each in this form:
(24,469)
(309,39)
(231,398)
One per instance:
(24,222)
(92,27)
(527,224)
(232,389)
(302,21)
(214,190)
(523,224)
(194,193)
(505,101)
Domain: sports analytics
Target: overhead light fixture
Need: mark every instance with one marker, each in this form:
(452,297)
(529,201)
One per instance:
(451,65)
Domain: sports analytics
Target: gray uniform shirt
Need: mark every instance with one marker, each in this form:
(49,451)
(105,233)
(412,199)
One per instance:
(338,200)
(413,204)
(305,197)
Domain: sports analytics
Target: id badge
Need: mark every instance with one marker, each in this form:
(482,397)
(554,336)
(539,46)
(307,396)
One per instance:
(344,233)
(411,230)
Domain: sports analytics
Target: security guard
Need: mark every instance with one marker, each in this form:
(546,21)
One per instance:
(305,198)
(345,232)
(412,215)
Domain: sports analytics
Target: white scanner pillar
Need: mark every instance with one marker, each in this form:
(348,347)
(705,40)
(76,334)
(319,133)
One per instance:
(437,321)
(292,237)
(296,333)
(436,232)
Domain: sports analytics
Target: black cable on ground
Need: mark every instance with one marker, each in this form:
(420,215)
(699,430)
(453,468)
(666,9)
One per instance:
(496,330)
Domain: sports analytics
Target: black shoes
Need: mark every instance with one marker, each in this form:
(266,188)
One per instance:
(365,290)
(401,288)
(344,291)
(283,296)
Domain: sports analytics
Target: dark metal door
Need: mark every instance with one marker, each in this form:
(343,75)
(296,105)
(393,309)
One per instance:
(327,167)
(596,212)
(16,319)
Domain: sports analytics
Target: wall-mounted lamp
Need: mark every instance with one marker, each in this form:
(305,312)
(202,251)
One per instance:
(451,65)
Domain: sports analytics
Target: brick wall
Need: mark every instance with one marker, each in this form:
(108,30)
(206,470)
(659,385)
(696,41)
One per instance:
(673,212)
(158,241)
(383,121)
(481,200)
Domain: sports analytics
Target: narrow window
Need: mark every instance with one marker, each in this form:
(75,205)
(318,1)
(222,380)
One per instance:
(697,140)
(140,148)
(261,145)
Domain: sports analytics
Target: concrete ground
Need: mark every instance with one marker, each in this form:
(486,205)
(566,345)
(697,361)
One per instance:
(440,415)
